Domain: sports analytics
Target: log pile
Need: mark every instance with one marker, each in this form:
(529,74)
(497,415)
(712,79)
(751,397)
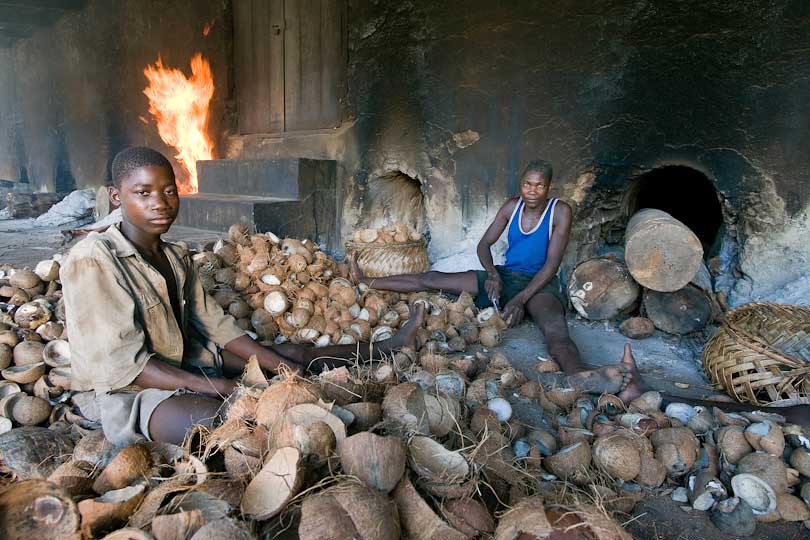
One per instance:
(30,205)
(662,273)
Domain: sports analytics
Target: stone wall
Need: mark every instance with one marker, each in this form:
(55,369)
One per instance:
(78,86)
(461,94)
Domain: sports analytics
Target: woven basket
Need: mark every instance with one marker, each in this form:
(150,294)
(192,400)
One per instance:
(380,260)
(761,354)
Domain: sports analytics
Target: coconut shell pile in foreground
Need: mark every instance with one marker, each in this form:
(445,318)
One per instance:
(420,445)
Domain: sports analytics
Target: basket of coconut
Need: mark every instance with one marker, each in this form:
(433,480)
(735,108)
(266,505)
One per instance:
(761,354)
(388,251)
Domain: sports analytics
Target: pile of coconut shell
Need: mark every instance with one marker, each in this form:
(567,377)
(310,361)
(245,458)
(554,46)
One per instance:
(34,353)
(396,233)
(290,290)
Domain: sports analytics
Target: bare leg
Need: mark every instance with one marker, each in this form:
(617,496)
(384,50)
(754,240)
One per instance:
(173,417)
(798,414)
(547,312)
(455,282)
(317,359)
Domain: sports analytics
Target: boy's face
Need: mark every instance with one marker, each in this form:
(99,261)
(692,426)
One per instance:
(148,198)
(534,189)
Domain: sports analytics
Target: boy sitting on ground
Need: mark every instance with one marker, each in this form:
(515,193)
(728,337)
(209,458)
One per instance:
(145,337)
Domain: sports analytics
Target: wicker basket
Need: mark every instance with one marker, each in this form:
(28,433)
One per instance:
(761,354)
(380,260)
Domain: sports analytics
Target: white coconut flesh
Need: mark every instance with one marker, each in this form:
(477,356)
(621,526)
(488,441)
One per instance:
(270,279)
(121,495)
(275,303)
(756,492)
(278,482)
(57,353)
(309,413)
(5,424)
(501,408)
(432,460)
(680,411)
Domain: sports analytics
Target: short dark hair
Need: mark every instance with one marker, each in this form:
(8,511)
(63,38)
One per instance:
(130,159)
(539,166)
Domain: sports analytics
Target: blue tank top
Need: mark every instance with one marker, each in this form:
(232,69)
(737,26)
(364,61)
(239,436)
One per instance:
(528,250)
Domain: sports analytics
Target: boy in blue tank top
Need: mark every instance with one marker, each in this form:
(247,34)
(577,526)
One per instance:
(537,228)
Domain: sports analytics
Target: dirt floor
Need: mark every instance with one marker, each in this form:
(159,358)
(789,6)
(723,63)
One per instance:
(663,360)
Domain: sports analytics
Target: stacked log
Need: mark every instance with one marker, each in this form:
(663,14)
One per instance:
(602,288)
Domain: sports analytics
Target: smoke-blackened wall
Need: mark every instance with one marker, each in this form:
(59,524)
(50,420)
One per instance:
(77,93)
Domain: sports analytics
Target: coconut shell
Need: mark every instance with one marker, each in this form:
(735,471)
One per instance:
(432,461)
(275,485)
(443,414)
(75,477)
(791,508)
(732,443)
(676,448)
(30,410)
(766,437)
(652,472)
(307,414)
(755,492)
(179,526)
(571,462)
(222,529)
(28,352)
(37,510)
(47,270)
(315,439)
(32,315)
(769,468)
(130,464)
(489,336)
(110,510)
(733,516)
(323,518)
(618,455)
(24,279)
(468,516)
(94,448)
(419,521)
(366,414)
(564,398)
(33,452)
(377,461)
(800,460)
(404,406)
(281,395)
(240,465)
(348,510)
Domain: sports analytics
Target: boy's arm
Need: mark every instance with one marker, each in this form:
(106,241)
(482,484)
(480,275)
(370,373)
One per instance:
(493,232)
(157,374)
(213,323)
(515,308)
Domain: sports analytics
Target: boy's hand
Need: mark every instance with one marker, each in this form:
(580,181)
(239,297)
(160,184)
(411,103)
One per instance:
(514,311)
(223,387)
(493,285)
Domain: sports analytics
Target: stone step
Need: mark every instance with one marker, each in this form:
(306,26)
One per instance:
(280,178)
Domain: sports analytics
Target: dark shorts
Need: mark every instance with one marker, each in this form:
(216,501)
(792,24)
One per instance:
(513,283)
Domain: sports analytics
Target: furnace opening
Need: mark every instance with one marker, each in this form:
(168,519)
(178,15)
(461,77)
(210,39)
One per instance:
(684,193)
(394,196)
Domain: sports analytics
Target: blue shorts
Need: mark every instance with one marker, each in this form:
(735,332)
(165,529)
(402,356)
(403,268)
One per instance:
(513,283)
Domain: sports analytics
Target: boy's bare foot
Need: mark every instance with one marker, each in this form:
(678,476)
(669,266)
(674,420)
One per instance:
(355,273)
(635,385)
(406,336)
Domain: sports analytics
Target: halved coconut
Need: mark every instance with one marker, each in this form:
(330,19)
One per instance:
(282,395)
(276,302)
(418,519)
(223,529)
(468,516)
(733,516)
(404,406)
(305,415)
(349,510)
(37,510)
(377,461)
(47,270)
(51,330)
(771,469)
(179,526)
(618,455)
(9,337)
(443,414)
(767,437)
(563,397)
(704,490)
(489,336)
(30,410)
(275,485)
(24,374)
(24,279)
(28,352)
(130,464)
(791,508)
(7,388)
(110,510)
(75,477)
(57,353)
(431,460)
(366,414)
(680,411)
(501,408)
(32,315)
(732,443)
(571,462)
(800,460)
(677,448)
(754,491)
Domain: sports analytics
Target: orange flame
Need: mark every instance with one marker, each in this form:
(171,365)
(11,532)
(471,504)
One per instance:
(180,108)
